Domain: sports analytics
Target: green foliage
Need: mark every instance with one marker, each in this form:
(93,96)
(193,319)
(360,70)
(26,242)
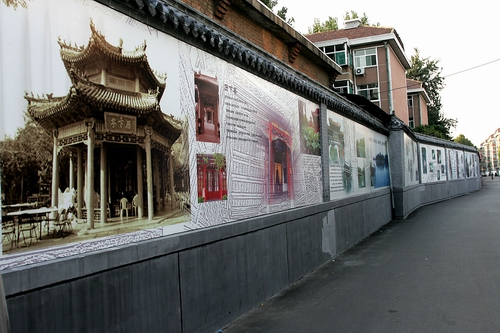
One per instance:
(281,12)
(26,161)
(219,160)
(354,15)
(428,72)
(333,23)
(328,25)
(311,138)
(432,130)
(463,140)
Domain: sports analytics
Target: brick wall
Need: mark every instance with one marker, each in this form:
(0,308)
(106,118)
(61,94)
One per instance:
(240,23)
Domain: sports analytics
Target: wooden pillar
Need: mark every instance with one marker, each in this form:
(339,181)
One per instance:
(90,174)
(171,176)
(149,172)
(104,184)
(79,182)
(140,189)
(157,179)
(55,171)
(71,172)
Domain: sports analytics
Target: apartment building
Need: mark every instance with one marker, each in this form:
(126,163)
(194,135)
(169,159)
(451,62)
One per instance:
(374,65)
(489,154)
(418,99)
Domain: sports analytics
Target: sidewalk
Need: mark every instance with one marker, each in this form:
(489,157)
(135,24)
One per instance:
(437,271)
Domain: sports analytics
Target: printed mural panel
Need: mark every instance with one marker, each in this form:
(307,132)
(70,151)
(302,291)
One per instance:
(358,158)
(433,163)
(471,165)
(246,148)
(268,137)
(456,165)
(412,173)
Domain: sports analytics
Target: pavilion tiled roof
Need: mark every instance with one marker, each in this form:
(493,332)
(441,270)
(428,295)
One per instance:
(88,99)
(136,60)
(98,97)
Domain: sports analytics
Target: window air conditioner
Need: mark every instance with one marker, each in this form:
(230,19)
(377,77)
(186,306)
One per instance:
(360,71)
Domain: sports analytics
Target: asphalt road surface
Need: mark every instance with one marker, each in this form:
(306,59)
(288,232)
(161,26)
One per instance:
(436,271)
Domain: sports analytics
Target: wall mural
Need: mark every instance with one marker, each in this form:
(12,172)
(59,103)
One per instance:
(412,173)
(456,164)
(357,157)
(471,165)
(254,146)
(433,163)
(246,148)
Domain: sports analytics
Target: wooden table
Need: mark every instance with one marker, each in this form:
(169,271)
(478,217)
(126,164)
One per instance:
(33,213)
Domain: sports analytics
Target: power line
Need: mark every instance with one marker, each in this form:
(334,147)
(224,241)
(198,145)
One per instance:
(471,68)
(445,76)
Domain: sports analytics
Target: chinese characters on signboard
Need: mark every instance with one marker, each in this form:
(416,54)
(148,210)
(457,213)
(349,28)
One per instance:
(119,123)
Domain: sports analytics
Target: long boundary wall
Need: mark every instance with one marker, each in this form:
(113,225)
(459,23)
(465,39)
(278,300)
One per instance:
(192,282)
(409,198)
(198,281)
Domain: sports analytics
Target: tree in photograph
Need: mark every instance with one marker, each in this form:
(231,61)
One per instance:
(427,71)
(281,12)
(26,162)
(463,140)
(16,3)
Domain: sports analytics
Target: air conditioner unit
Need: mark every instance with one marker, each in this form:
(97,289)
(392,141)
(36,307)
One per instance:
(359,71)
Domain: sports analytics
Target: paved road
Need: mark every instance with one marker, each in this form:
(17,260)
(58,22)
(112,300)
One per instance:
(437,271)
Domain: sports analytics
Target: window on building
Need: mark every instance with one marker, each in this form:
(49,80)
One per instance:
(337,53)
(343,87)
(365,58)
(410,101)
(411,123)
(120,83)
(369,91)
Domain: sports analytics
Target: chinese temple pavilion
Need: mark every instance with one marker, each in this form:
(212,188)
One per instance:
(111,118)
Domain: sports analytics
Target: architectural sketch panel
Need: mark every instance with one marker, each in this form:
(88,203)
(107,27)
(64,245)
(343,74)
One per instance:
(433,163)
(358,160)
(412,174)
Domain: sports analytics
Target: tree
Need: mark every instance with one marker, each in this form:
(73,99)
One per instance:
(328,25)
(281,12)
(332,22)
(463,140)
(354,15)
(26,161)
(428,72)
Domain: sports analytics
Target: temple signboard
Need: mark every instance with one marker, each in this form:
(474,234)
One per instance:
(119,123)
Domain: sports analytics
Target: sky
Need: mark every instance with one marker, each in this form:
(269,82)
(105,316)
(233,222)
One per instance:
(460,36)
(30,58)
(463,37)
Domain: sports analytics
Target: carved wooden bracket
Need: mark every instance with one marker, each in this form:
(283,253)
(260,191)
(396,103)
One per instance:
(294,51)
(332,78)
(221,7)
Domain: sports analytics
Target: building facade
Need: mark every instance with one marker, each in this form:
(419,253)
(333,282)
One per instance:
(488,151)
(417,103)
(374,65)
